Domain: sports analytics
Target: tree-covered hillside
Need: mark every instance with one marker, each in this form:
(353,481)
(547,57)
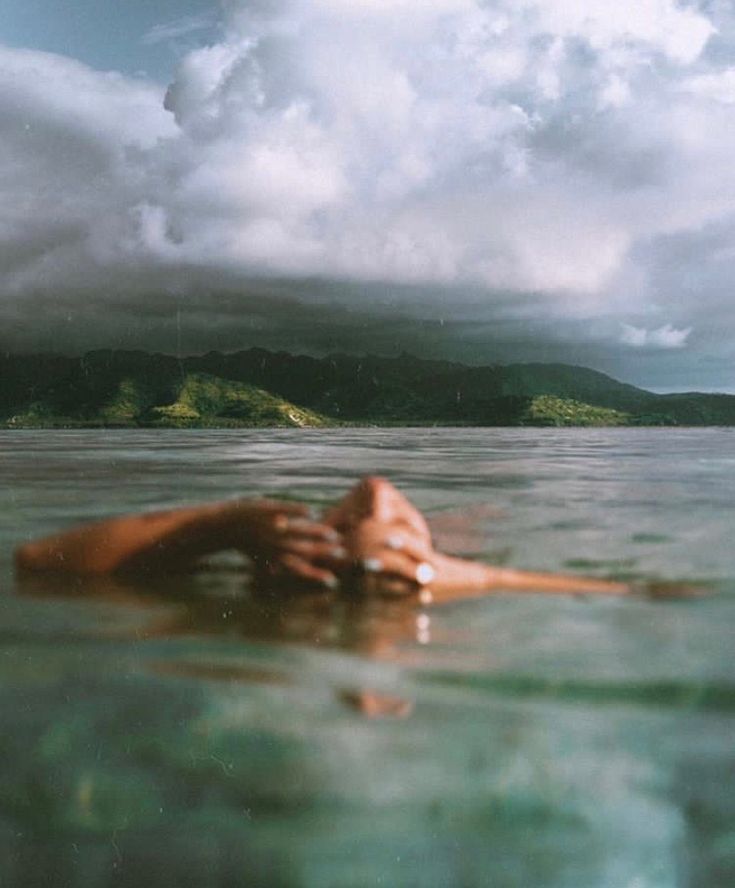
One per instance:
(191,400)
(257,387)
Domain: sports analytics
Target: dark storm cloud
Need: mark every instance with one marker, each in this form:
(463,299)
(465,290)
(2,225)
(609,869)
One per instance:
(487,181)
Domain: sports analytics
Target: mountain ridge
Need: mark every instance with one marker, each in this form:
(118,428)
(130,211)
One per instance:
(260,387)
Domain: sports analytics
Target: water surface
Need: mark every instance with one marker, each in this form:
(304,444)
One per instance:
(188,736)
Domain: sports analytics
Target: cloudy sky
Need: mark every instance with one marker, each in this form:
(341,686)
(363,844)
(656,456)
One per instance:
(486,180)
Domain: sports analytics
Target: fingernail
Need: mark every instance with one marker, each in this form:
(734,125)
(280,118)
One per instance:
(372,565)
(339,552)
(425,573)
(331,536)
(330,582)
(394,541)
(297,522)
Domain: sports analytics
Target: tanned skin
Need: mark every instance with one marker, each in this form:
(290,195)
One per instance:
(374,534)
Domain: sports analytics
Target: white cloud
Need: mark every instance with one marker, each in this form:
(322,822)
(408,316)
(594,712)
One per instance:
(107,108)
(717,87)
(615,93)
(539,145)
(663,337)
(408,142)
(655,25)
(73,149)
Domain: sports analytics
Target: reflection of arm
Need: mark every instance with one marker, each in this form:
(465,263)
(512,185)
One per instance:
(455,575)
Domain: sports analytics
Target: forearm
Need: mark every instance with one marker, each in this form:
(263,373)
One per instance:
(152,541)
(456,575)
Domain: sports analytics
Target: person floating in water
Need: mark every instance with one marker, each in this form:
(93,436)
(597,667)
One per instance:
(374,538)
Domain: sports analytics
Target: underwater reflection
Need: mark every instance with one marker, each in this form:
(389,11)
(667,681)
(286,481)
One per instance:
(229,602)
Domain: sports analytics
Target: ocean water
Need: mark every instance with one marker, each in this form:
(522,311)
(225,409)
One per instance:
(191,735)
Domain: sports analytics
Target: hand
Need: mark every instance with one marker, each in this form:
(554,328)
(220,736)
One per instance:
(378,499)
(386,536)
(282,540)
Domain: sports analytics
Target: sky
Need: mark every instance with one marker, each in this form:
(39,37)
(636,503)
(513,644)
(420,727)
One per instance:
(481,180)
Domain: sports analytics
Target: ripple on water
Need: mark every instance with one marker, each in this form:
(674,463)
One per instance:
(560,743)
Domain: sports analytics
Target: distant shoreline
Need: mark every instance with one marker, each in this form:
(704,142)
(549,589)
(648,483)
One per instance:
(261,389)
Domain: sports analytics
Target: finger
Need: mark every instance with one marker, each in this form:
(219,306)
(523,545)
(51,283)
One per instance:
(370,496)
(335,517)
(354,505)
(372,537)
(399,565)
(304,527)
(316,551)
(305,570)
(413,520)
(408,545)
(383,501)
(390,505)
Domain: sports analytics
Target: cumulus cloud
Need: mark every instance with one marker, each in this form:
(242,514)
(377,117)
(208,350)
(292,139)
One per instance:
(74,145)
(428,142)
(529,147)
(662,337)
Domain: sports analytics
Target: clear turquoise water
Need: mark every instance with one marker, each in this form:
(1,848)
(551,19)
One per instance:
(187,737)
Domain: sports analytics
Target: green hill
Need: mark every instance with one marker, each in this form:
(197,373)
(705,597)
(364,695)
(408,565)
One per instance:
(205,400)
(546,410)
(196,400)
(261,388)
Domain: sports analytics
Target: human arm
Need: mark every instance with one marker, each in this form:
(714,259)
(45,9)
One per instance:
(458,577)
(389,540)
(276,534)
